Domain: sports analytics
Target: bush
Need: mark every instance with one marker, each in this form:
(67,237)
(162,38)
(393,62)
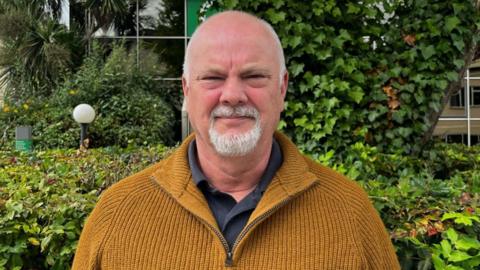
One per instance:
(45,197)
(130,107)
(430,204)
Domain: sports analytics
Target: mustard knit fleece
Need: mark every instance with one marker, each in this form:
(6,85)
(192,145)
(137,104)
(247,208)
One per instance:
(310,217)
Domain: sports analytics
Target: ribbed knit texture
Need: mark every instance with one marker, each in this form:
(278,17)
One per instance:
(310,217)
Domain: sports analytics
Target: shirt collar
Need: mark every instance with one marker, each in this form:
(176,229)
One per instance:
(274,162)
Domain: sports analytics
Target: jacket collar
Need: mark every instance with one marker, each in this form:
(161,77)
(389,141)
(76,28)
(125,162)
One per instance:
(175,178)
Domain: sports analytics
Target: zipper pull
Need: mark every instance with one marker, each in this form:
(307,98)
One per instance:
(229,260)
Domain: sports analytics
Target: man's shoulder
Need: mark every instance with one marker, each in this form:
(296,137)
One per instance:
(336,184)
(329,182)
(136,184)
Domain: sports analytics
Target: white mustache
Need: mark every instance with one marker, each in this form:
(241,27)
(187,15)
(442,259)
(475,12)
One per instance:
(237,111)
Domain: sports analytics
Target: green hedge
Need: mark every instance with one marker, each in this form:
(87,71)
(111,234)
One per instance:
(45,197)
(430,205)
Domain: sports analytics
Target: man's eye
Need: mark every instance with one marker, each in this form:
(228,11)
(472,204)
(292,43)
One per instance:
(212,78)
(255,76)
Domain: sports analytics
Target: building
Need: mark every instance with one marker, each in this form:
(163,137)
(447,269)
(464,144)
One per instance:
(460,120)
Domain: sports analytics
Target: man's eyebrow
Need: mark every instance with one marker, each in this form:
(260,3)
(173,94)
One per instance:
(255,70)
(208,72)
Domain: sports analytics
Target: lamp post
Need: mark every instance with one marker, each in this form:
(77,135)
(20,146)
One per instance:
(84,115)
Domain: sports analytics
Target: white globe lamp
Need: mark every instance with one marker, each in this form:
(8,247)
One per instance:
(83,114)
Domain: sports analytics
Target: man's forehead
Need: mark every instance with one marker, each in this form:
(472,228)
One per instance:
(231,27)
(232,20)
(248,68)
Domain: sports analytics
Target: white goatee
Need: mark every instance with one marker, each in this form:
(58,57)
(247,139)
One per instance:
(235,145)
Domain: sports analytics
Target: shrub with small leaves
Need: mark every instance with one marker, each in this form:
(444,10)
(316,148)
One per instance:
(45,197)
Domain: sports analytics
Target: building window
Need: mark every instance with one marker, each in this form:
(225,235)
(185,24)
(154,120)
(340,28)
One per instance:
(462,138)
(475,99)
(458,100)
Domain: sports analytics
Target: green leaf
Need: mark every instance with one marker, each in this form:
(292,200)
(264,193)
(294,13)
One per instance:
(441,84)
(352,8)
(466,243)
(278,3)
(458,256)
(451,22)
(452,76)
(45,242)
(356,94)
(230,4)
(324,54)
(358,77)
(452,235)
(437,262)
(428,51)
(320,38)
(336,12)
(300,121)
(460,218)
(475,261)
(459,44)
(459,63)
(405,132)
(446,248)
(296,68)
(453,267)
(295,41)
(275,16)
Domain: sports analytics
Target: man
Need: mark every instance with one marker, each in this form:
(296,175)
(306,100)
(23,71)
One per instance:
(236,193)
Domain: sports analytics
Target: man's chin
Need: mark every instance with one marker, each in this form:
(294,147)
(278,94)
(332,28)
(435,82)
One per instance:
(235,143)
(231,133)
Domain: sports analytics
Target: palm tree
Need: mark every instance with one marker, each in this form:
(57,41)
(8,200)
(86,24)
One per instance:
(106,13)
(36,50)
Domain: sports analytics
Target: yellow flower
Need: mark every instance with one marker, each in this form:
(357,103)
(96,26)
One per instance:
(72,92)
(6,109)
(33,241)
(25,106)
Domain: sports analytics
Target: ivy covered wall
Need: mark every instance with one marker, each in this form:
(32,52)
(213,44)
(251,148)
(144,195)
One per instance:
(378,72)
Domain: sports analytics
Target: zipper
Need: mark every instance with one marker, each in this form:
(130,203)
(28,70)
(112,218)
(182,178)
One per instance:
(264,216)
(229,258)
(229,253)
(257,221)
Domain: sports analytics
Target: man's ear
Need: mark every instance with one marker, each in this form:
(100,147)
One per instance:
(284,85)
(184,86)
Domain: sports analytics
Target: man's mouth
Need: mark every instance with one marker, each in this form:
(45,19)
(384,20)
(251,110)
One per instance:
(233,117)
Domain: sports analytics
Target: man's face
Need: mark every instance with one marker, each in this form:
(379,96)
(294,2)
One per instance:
(235,73)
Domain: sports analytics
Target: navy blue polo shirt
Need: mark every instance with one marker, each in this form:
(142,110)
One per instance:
(231,216)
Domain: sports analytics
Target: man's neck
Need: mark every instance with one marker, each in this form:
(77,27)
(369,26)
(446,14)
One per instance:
(236,176)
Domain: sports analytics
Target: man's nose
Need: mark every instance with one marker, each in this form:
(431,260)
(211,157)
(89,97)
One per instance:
(233,93)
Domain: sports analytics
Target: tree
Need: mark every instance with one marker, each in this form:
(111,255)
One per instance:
(36,49)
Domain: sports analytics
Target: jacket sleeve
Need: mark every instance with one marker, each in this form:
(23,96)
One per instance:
(377,247)
(95,231)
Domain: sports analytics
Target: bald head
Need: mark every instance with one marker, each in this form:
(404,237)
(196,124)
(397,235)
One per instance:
(236,24)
